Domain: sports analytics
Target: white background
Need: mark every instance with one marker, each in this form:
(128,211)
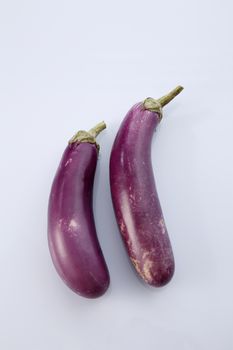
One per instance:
(66,65)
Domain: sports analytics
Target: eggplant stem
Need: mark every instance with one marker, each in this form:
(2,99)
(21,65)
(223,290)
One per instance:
(164,100)
(155,105)
(97,129)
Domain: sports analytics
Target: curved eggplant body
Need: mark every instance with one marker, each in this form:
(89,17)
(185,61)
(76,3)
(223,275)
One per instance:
(72,237)
(135,200)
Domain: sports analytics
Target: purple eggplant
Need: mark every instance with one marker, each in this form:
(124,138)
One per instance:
(72,237)
(135,200)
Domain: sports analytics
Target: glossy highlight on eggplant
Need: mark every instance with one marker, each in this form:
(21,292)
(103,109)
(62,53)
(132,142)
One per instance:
(72,237)
(135,199)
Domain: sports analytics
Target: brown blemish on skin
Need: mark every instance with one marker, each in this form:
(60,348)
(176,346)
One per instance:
(147,270)
(162,225)
(136,265)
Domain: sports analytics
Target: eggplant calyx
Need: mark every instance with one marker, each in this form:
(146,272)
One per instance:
(88,136)
(155,105)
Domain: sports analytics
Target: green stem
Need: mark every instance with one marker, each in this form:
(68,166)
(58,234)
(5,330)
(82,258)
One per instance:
(154,105)
(97,129)
(167,98)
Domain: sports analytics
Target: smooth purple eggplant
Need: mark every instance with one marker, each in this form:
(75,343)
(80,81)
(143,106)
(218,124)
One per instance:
(135,199)
(72,237)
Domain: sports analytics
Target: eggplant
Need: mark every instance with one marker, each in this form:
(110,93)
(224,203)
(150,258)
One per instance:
(134,196)
(72,237)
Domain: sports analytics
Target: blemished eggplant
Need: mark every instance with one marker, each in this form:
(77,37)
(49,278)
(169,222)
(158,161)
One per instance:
(72,237)
(135,200)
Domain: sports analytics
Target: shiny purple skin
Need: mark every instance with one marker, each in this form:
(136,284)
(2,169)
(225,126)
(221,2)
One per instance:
(135,200)
(72,237)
